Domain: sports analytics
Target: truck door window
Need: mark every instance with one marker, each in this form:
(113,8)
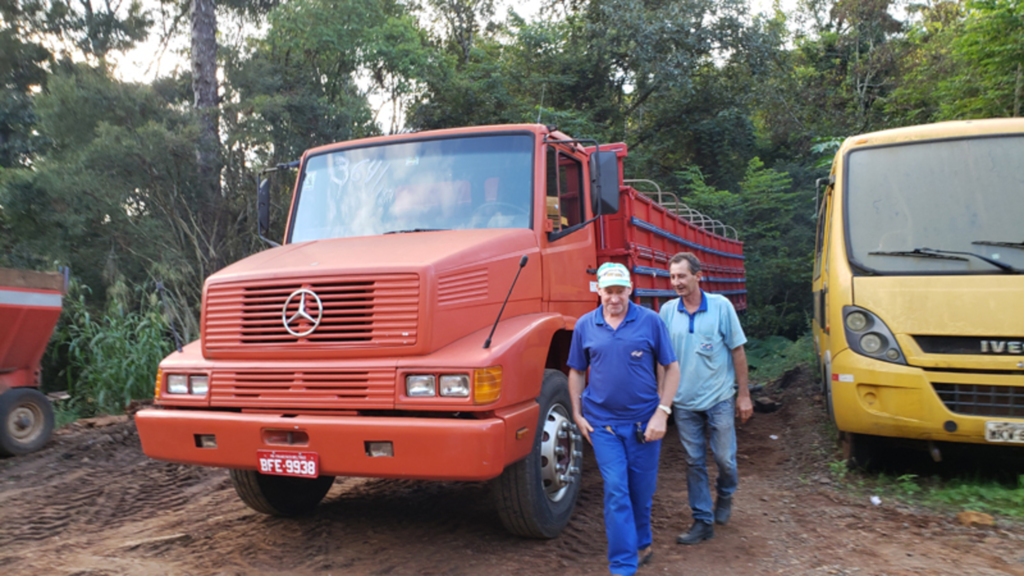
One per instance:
(564,189)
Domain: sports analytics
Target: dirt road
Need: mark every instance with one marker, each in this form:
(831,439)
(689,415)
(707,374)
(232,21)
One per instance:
(92,504)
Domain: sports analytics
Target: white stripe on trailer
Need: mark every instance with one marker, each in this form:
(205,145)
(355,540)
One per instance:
(38,299)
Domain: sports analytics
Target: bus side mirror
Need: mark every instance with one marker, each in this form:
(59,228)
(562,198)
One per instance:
(263,208)
(604,182)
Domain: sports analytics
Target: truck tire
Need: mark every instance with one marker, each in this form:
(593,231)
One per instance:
(26,421)
(280,495)
(535,496)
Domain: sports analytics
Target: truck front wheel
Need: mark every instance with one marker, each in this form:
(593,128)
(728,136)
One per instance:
(26,421)
(535,497)
(280,495)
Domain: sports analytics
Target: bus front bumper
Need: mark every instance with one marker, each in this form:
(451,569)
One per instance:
(884,399)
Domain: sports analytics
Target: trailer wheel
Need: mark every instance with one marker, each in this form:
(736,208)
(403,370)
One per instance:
(26,421)
(535,496)
(280,495)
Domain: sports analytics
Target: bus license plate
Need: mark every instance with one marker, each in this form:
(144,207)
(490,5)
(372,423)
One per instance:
(1011,432)
(278,463)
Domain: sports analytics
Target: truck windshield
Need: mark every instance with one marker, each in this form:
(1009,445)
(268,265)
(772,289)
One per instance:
(445,184)
(951,195)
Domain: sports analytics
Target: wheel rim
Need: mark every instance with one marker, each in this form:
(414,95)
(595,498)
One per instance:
(25,423)
(560,454)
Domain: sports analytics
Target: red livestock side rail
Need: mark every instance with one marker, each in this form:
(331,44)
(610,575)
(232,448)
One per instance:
(650,227)
(30,304)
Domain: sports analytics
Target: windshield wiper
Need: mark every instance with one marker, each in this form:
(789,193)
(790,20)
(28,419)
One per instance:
(1018,245)
(417,230)
(941,254)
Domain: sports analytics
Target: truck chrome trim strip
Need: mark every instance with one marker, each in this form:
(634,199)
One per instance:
(19,298)
(666,234)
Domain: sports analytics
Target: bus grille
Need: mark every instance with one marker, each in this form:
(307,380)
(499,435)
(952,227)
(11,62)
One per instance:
(979,400)
(358,311)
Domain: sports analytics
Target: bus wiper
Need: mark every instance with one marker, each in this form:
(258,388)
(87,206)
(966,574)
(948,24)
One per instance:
(417,230)
(1018,245)
(933,253)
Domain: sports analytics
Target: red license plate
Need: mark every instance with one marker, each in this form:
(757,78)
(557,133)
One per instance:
(278,463)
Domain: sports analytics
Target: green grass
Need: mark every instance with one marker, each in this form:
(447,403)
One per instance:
(771,357)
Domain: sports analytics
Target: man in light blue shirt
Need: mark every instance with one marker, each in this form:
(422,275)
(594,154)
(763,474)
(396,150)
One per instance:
(708,340)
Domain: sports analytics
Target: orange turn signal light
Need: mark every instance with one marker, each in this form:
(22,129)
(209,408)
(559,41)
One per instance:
(159,377)
(486,385)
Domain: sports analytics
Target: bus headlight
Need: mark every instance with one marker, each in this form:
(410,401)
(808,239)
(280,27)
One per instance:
(871,343)
(880,343)
(856,321)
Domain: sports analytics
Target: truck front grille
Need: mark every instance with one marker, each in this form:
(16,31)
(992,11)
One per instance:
(979,400)
(369,389)
(358,311)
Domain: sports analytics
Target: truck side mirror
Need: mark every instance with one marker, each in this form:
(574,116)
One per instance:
(604,182)
(263,208)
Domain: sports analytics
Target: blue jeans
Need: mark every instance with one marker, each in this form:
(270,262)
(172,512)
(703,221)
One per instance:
(630,472)
(717,424)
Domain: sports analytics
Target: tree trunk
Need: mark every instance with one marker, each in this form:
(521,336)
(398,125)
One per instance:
(212,210)
(204,85)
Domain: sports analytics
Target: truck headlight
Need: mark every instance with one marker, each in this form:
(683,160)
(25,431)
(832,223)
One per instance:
(455,385)
(420,385)
(199,384)
(177,384)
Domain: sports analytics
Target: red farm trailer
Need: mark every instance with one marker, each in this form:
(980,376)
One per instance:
(653,225)
(30,304)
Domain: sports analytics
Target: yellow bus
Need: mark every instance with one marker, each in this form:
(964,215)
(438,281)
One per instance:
(919,286)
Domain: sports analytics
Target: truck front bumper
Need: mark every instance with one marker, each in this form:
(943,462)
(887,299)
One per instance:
(423,448)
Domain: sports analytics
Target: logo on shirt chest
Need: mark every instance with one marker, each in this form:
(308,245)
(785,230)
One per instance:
(637,353)
(706,346)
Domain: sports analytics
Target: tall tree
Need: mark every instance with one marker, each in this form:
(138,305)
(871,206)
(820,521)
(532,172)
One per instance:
(204,85)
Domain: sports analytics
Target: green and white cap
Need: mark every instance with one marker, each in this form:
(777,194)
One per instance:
(613,274)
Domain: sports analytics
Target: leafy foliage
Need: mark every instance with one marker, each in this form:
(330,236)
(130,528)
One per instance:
(778,234)
(107,360)
(742,112)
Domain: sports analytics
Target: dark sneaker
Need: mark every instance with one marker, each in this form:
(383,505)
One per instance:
(644,555)
(723,510)
(699,532)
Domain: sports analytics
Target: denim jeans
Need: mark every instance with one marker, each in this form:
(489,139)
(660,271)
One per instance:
(630,472)
(696,429)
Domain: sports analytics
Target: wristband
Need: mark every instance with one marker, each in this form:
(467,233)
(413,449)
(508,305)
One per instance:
(666,409)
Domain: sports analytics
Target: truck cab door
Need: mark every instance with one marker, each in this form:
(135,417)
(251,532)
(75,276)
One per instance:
(570,261)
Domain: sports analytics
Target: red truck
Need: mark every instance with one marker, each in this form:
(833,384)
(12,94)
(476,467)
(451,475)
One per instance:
(416,321)
(30,305)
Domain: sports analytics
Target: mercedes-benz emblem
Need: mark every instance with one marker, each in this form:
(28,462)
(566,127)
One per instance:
(302,313)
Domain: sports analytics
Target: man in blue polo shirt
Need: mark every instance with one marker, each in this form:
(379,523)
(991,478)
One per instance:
(708,340)
(624,410)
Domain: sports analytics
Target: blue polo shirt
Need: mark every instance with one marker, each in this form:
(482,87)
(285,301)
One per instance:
(623,383)
(703,343)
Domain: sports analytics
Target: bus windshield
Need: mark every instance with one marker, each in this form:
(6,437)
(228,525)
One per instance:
(445,184)
(909,206)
